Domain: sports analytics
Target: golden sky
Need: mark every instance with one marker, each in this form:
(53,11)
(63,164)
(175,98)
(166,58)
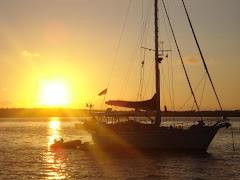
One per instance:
(61,52)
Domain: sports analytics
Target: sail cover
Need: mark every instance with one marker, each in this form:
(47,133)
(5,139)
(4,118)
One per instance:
(149,105)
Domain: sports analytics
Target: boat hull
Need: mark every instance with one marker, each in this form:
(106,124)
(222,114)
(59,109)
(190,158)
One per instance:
(159,139)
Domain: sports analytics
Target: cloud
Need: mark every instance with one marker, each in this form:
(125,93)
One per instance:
(191,60)
(29,54)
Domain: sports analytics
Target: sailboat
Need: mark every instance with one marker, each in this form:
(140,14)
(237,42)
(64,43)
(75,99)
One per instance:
(116,130)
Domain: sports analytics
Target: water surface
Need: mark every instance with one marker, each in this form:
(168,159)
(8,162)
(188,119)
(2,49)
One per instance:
(25,154)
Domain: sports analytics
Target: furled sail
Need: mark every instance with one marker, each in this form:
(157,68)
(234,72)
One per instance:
(149,105)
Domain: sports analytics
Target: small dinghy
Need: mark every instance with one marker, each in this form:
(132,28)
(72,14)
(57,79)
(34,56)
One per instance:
(70,144)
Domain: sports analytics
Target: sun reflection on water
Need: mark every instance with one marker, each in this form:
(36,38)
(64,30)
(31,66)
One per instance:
(54,160)
(54,130)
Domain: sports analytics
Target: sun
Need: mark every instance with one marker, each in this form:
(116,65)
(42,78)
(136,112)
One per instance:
(54,94)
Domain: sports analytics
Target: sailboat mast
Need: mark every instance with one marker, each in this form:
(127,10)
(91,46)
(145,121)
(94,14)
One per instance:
(158,112)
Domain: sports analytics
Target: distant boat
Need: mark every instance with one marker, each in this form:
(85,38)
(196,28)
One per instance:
(60,144)
(116,130)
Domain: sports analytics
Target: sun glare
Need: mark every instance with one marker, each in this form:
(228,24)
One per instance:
(55,94)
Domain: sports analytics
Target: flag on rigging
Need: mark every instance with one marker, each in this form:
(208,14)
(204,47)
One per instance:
(103,92)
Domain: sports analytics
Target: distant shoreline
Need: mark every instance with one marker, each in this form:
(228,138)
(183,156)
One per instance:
(66,112)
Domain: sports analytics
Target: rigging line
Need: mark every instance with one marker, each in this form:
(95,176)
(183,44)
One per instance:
(146,30)
(163,87)
(190,86)
(142,65)
(169,81)
(142,23)
(119,42)
(146,18)
(153,79)
(148,13)
(203,60)
(142,83)
(141,76)
(192,106)
(168,31)
(168,36)
(145,21)
(142,11)
(170,44)
(168,76)
(148,78)
(144,33)
(194,91)
(130,68)
(145,26)
(172,81)
(204,85)
(133,58)
(167,86)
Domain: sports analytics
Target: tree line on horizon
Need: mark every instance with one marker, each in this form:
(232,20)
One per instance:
(68,112)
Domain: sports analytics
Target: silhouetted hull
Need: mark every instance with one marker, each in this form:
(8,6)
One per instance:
(159,139)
